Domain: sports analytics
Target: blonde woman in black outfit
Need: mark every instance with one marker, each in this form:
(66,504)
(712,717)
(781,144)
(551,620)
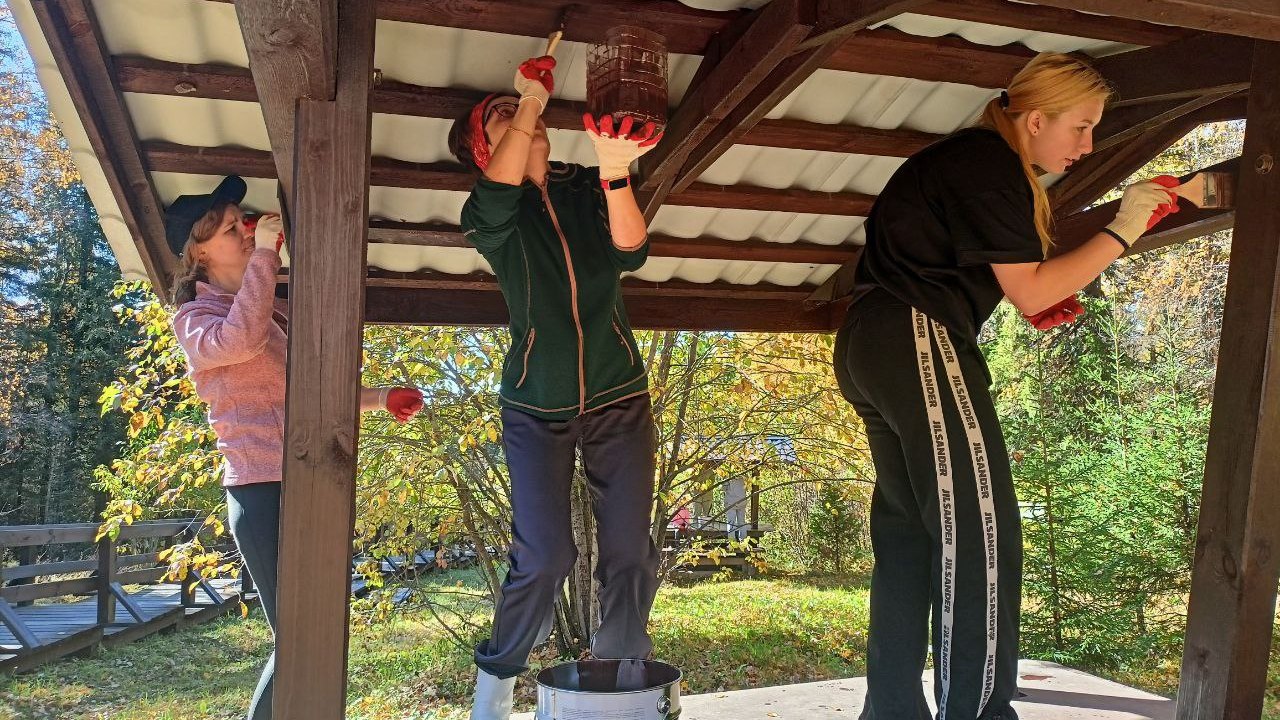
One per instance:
(962,224)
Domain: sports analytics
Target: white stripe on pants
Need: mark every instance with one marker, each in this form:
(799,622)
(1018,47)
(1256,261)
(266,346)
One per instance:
(925,329)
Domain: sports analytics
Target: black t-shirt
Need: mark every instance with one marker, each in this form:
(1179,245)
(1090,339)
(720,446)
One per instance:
(949,213)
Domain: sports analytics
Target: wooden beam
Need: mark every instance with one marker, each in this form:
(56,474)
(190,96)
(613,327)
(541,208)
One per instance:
(837,20)
(1251,18)
(725,77)
(631,286)
(689,31)
(750,197)
(1237,551)
(885,51)
(386,172)
(686,29)
(1196,225)
(1074,230)
(1055,20)
(486,307)
(821,137)
(220,82)
(784,80)
(322,403)
(292,50)
(75,39)
(707,248)
(1184,69)
(1120,124)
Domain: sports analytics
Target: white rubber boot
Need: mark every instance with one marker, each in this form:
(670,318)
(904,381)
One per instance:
(494,697)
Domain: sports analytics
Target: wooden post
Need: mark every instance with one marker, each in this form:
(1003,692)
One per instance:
(106,576)
(330,221)
(26,556)
(1237,554)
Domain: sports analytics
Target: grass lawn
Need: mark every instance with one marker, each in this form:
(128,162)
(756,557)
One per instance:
(779,631)
(724,635)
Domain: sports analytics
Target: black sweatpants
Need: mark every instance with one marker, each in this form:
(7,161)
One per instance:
(619,445)
(944,518)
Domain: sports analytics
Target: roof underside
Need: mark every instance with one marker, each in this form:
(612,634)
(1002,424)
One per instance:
(166,33)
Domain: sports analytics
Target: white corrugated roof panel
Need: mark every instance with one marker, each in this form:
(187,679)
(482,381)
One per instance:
(198,31)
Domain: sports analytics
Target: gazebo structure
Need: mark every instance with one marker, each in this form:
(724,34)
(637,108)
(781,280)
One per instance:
(789,117)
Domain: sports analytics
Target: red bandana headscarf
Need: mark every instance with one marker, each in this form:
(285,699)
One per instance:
(480,141)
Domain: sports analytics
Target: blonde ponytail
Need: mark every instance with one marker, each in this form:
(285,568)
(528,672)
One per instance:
(1050,83)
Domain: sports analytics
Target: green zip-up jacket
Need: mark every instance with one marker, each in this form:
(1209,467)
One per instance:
(571,350)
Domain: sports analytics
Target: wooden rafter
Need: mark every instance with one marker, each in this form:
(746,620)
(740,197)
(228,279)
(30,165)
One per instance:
(1060,21)
(1190,68)
(387,172)
(836,24)
(885,51)
(705,248)
(690,31)
(75,39)
(723,80)
(220,82)
(1251,18)
(476,301)
(689,150)
(292,50)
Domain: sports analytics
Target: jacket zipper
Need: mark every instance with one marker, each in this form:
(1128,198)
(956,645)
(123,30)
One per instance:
(573,296)
(631,358)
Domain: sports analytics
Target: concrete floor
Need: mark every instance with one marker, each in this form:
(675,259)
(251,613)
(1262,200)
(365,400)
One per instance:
(1052,692)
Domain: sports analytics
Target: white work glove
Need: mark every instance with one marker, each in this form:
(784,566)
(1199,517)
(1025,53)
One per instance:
(269,233)
(617,150)
(535,81)
(1138,206)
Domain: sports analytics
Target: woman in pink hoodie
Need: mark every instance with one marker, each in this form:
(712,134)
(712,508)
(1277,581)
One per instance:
(234,332)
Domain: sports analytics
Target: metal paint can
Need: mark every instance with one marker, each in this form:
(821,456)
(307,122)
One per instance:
(609,690)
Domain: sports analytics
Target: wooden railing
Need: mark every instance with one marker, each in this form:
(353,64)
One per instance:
(110,572)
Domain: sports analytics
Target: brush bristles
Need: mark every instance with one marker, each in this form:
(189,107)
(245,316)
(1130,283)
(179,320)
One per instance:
(1219,190)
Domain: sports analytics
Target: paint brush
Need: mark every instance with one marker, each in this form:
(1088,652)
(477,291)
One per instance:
(1209,190)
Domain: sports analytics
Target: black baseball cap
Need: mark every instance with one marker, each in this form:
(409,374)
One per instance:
(187,210)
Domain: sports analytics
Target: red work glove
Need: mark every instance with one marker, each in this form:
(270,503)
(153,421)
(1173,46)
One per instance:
(1164,210)
(402,402)
(534,80)
(1066,311)
(251,226)
(615,150)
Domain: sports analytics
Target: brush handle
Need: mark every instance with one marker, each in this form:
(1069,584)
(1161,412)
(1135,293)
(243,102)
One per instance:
(552,41)
(1192,190)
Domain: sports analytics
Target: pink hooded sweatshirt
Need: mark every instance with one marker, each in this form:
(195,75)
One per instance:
(235,345)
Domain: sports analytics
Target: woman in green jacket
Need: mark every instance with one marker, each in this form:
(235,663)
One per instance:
(558,238)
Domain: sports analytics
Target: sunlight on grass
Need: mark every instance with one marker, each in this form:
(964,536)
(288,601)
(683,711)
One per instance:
(724,635)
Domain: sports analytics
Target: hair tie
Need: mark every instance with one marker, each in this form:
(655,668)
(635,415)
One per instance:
(479,142)
(1004,99)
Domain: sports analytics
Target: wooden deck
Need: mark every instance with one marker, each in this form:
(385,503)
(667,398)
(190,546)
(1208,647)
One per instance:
(68,628)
